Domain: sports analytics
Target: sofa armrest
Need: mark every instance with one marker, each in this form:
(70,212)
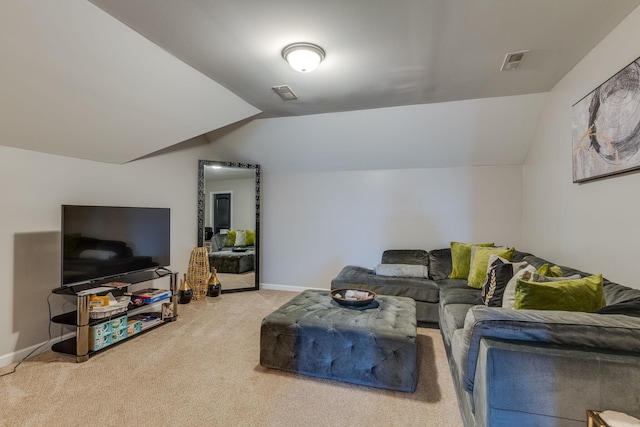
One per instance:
(528,384)
(559,328)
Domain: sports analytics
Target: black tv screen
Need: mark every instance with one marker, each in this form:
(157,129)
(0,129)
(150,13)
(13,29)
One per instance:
(101,242)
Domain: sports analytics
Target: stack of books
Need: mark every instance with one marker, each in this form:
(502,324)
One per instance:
(150,295)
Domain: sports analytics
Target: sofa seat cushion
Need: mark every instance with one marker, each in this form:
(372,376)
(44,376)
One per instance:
(452,283)
(460,295)
(573,329)
(355,277)
(452,319)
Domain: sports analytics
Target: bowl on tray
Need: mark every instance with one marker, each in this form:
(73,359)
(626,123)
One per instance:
(353,297)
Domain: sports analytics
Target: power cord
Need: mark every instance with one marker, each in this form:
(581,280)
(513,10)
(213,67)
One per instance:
(37,348)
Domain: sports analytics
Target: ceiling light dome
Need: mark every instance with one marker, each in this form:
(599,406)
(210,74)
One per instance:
(303,57)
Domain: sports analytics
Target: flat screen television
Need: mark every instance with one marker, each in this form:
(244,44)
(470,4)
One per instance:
(103,242)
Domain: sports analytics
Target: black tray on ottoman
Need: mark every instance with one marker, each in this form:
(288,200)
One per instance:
(313,335)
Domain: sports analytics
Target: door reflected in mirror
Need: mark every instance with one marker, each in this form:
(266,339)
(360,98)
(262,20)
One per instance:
(228,221)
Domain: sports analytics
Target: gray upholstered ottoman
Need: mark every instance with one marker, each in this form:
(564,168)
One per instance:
(373,345)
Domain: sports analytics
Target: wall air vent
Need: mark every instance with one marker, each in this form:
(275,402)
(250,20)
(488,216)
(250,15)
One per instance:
(512,60)
(285,92)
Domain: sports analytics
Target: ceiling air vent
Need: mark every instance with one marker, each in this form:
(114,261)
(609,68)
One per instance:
(513,60)
(285,92)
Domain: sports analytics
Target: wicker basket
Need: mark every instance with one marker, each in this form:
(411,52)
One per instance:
(198,272)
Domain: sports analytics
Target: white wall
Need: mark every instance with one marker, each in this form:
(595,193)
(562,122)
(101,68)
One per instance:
(593,226)
(341,188)
(475,132)
(315,223)
(34,185)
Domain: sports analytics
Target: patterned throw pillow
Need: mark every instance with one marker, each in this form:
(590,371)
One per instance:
(498,276)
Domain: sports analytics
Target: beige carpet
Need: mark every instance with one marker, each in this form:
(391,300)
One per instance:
(203,370)
(237,281)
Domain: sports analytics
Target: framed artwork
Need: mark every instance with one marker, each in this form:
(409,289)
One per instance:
(605,128)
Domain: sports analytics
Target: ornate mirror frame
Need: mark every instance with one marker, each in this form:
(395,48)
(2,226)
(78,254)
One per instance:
(202,164)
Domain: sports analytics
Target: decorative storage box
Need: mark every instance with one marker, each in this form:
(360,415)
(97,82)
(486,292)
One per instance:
(119,334)
(106,333)
(100,330)
(99,342)
(118,323)
(134,327)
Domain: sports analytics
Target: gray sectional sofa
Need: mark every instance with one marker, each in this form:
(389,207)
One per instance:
(522,367)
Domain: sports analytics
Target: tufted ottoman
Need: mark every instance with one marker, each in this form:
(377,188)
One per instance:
(373,345)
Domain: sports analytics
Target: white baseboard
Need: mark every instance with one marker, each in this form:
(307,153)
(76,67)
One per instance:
(287,288)
(16,356)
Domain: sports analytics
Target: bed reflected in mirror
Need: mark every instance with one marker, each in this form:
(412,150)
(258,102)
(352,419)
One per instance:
(228,221)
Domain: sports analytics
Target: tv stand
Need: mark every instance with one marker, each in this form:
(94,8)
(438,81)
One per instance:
(78,346)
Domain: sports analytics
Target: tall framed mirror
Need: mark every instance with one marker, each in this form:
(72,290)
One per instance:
(229,221)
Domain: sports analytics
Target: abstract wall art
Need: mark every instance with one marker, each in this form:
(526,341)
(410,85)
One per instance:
(605,128)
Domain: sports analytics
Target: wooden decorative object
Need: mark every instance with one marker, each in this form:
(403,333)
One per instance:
(198,272)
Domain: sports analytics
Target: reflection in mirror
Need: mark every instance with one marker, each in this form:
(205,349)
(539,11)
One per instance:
(229,221)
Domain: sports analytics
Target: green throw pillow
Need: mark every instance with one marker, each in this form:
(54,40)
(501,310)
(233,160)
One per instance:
(583,294)
(480,263)
(251,238)
(231,238)
(550,271)
(461,258)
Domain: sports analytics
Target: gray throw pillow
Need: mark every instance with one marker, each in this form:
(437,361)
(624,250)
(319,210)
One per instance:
(402,270)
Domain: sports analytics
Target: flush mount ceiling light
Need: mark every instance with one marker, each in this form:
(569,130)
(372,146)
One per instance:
(303,57)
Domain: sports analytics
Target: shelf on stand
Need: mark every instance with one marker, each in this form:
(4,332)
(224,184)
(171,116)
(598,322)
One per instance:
(67,346)
(80,318)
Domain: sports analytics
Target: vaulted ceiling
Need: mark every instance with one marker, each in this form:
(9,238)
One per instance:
(115,80)
(379,53)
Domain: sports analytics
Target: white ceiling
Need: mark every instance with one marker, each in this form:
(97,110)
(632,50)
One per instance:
(380,53)
(128,78)
(78,83)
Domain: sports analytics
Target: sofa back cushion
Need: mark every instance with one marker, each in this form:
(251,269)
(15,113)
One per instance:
(406,256)
(440,264)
